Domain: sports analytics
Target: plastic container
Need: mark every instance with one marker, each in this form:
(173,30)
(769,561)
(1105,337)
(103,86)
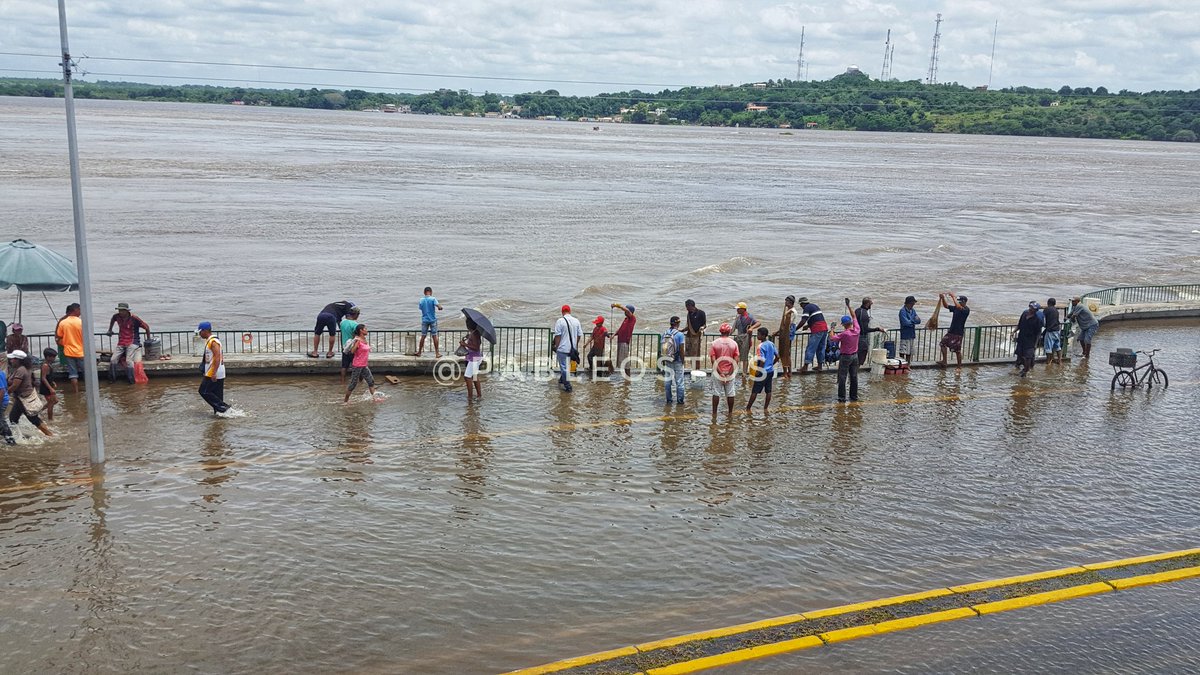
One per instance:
(152,349)
(1121,359)
(890,346)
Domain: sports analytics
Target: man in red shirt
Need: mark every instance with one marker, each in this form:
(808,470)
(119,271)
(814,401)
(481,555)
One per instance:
(625,336)
(129,341)
(723,352)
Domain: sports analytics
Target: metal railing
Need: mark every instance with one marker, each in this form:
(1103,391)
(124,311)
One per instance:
(525,348)
(1133,295)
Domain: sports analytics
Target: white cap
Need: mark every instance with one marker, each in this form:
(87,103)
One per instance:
(17,354)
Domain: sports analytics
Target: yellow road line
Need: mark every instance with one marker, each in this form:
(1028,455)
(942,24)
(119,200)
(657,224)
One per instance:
(1025,586)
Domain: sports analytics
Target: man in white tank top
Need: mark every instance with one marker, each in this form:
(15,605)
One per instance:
(212,386)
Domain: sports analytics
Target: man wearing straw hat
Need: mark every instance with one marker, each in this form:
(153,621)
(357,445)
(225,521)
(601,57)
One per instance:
(129,343)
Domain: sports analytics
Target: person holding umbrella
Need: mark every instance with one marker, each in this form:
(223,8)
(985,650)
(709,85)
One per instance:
(478,327)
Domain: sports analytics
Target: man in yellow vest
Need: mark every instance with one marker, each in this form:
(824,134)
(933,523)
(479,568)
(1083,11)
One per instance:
(212,365)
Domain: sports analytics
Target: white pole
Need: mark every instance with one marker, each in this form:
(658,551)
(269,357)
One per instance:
(91,380)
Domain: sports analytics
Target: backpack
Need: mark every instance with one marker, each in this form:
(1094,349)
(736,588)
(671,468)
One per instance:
(670,348)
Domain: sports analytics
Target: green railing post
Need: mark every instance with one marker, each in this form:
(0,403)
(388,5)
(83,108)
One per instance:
(978,342)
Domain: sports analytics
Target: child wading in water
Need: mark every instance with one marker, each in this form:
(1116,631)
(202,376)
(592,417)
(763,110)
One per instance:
(361,351)
(46,388)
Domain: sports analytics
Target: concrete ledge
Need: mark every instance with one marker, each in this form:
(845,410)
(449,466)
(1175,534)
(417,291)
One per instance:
(298,364)
(1179,310)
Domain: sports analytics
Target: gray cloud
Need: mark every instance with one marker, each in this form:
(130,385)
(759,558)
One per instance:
(1150,44)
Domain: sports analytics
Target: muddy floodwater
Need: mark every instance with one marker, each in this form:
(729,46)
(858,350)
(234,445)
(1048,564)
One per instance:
(420,535)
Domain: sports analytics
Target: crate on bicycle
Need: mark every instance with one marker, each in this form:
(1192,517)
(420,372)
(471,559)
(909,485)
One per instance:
(1122,358)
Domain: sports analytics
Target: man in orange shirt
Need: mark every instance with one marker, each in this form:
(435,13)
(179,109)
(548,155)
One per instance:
(69,335)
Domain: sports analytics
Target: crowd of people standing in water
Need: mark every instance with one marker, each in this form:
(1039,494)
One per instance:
(744,350)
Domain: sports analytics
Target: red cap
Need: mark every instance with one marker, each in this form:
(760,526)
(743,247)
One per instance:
(726,329)
(599,320)
(566,309)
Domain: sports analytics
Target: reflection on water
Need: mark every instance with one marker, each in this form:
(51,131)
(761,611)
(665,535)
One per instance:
(420,534)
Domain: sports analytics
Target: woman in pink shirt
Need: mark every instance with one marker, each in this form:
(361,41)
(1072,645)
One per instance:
(361,351)
(847,342)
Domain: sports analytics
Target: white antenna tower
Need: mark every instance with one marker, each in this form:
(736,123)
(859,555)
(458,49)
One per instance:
(800,59)
(931,78)
(887,52)
(992,62)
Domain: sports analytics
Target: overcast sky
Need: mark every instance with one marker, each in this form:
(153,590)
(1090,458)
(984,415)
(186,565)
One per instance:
(570,45)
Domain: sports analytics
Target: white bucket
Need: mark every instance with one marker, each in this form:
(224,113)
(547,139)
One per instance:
(699,378)
(878,361)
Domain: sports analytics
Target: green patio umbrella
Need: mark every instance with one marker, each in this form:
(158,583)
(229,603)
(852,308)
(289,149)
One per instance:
(30,267)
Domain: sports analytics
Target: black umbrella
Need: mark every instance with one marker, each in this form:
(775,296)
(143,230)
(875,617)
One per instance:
(486,329)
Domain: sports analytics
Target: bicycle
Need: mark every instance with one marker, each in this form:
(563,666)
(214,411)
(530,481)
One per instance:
(1125,368)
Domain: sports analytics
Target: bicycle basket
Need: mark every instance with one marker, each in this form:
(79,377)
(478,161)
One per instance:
(1122,360)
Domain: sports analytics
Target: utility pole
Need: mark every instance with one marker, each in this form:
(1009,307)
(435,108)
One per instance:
(887,48)
(931,78)
(800,58)
(91,380)
(992,61)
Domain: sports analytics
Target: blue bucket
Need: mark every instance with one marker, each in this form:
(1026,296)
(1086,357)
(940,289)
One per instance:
(890,346)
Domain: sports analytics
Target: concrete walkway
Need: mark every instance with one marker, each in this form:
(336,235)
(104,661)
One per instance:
(298,364)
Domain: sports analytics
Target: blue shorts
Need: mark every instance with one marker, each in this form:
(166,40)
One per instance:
(1052,342)
(74,367)
(429,327)
(327,321)
(1086,335)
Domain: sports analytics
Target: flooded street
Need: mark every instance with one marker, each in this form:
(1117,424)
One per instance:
(419,535)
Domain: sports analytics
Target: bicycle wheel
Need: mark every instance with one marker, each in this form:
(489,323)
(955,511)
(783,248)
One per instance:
(1158,378)
(1123,379)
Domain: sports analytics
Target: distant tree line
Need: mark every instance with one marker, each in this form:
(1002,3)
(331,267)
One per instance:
(850,102)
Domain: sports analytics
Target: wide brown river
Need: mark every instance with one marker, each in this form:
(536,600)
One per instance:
(258,217)
(420,535)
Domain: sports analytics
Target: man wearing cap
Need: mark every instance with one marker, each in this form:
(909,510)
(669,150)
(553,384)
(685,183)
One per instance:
(812,318)
(625,335)
(953,338)
(595,344)
(672,360)
(328,319)
(1087,323)
(723,353)
(1029,329)
(568,335)
(697,321)
(16,340)
(129,342)
(70,337)
(847,342)
(745,326)
(863,314)
(212,366)
(908,328)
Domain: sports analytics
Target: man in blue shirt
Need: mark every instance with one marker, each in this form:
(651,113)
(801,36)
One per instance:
(908,328)
(672,360)
(764,367)
(429,309)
